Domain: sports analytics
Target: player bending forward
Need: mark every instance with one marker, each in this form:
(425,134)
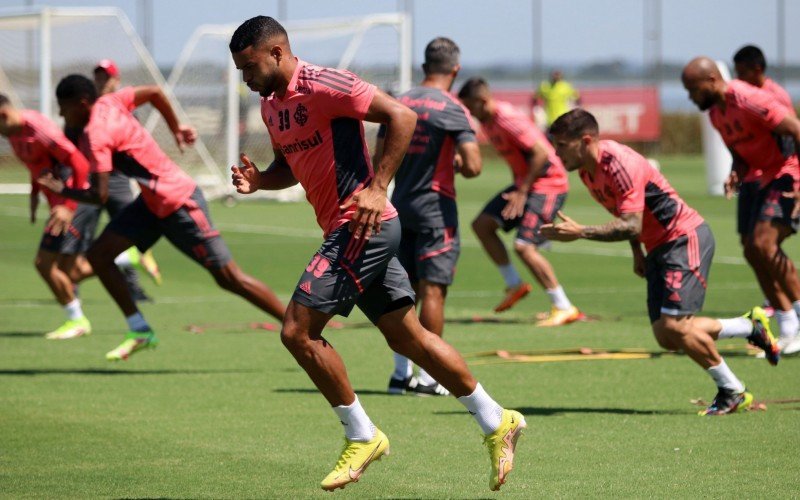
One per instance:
(679,247)
(170,204)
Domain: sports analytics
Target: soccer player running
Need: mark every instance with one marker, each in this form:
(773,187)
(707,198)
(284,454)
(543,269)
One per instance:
(425,197)
(107,80)
(761,134)
(750,65)
(314,118)
(539,191)
(42,147)
(679,244)
(170,203)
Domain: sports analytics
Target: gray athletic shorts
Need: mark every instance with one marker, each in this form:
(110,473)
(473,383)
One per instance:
(677,274)
(78,237)
(120,194)
(346,272)
(539,209)
(189,228)
(430,254)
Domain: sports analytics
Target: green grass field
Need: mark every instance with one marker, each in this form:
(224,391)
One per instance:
(227,413)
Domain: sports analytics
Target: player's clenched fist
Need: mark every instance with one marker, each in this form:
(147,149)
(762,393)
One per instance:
(246,179)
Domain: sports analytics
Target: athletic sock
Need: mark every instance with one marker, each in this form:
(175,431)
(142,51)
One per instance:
(559,298)
(486,411)
(73,309)
(510,275)
(735,327)
(725,378)
(796,307)
(402,367)
(425,378)
(124,260)
(357,425)
(788,323)
(137,323)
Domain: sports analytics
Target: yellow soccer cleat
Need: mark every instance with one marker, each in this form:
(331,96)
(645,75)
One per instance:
(356,457)
(501,445)
(134,341)
(72,329)
(148,263)
(513,295)
(559,317)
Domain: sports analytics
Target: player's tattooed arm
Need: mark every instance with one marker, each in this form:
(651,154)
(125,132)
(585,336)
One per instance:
(624,227)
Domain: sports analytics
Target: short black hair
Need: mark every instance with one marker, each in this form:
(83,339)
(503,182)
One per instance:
(472,88)
(574,124)
(254,31)
(76,87)
(441,56)
(4,100)
(751,56)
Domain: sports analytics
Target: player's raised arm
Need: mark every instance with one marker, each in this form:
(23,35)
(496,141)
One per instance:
(184,134)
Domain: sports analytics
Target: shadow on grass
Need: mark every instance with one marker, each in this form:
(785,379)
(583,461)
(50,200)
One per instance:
(28,372)
(545,411)
(306,390)
(21,334)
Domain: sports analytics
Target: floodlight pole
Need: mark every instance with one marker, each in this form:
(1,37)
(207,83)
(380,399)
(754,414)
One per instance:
(45,69)
(537,65)
(232,125)
(780,33)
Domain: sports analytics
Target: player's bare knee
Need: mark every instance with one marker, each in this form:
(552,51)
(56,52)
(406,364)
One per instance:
(523,247)
(43,265)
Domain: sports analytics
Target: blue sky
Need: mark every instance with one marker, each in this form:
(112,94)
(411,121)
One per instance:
(573,31)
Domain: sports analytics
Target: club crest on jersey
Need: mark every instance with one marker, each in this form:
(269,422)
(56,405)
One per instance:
(302,144)
(302,89)
(301,115)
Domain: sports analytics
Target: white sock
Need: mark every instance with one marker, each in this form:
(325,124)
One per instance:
(124,259)
(357,425)
(137,323)
(796,307)
(559,298)
(725,378)
(735,327)
(73,309)
(425,378)
(485,410)
(402,367)
(788,323)
(510,275)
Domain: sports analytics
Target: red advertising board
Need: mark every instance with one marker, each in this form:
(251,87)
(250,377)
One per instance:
(624,113)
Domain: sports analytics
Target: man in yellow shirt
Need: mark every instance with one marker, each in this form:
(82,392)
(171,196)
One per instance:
(557,96)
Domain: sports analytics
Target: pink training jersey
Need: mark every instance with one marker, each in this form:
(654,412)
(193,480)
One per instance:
(42,146)
(317,126)
(625,182)
(746,125)
(514,135)
(114,139)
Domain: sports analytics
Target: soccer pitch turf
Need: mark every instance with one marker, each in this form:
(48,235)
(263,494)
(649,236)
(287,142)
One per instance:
(225,412)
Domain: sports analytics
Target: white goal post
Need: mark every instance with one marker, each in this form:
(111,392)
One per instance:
(227,115)
(42,45)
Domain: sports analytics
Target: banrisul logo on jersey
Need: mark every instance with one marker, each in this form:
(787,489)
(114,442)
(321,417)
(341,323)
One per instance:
(302,144)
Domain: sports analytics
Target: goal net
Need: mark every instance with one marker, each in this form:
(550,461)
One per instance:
(227,114)
(40,46)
